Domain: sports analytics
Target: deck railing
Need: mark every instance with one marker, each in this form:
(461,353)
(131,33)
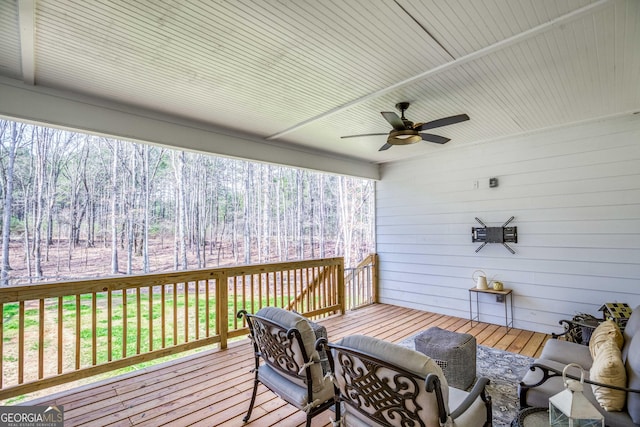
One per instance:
(60,332)
(361,283)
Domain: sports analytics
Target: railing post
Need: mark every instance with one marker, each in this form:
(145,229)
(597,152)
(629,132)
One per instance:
(222,307)
(374,277)
(341,299)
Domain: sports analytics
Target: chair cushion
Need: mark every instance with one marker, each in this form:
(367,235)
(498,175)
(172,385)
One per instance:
(293,392)
(608,368)
(566,352)
(605,332)
(476,415)
(288,320)
(633,376)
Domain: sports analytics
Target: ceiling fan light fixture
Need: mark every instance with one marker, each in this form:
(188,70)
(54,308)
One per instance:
(404,137)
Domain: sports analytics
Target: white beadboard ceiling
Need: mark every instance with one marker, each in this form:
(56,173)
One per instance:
(306,72)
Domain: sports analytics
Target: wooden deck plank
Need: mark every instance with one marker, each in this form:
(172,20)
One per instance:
(507,339)
(534,346)
(143,396)
(521,340)
(213,387)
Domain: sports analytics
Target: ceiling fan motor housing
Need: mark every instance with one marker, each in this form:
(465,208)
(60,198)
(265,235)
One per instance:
(404,137)
(402,106)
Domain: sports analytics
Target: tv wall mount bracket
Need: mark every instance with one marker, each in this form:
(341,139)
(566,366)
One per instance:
(502,235)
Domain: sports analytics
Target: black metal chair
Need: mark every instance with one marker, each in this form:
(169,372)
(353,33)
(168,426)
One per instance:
(290,367)
(383,384)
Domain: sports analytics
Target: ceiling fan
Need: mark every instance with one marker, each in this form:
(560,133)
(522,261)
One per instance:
(405,132)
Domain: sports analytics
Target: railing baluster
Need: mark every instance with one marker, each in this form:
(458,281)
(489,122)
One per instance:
(235,301)
(244,292)
(163,313)
(257,288)
(295,290)
(265,282)
(253,302)
(41,339)
(21,343)
(186,311)
(94,325)
(206,307)
(197,309)
(175,314)
(150,318)
(277,286)
(288,288)
(124,323)
(138,321)
(306,286)
(60,335)
(326,286)
(312,288)
(78,316)
(109,325)
(318,288)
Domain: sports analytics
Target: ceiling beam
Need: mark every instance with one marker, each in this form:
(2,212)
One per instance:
(27,16)
(509,41)
(57,108)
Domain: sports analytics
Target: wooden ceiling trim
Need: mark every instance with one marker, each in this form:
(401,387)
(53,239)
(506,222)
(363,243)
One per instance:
(26,13)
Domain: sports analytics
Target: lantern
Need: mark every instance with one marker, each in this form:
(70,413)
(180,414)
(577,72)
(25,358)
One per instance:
(570,408)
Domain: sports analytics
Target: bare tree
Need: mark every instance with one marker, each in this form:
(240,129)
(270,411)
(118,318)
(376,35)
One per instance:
(114,206)
(178,161)
(322,217)
(12,133)
(44,141)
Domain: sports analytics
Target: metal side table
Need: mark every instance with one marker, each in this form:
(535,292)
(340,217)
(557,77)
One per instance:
(504,296)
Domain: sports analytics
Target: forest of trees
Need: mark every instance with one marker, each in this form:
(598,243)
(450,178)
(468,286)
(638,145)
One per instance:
(77,205)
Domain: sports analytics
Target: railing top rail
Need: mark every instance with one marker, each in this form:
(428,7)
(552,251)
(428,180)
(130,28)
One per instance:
(369,259)
(74,287)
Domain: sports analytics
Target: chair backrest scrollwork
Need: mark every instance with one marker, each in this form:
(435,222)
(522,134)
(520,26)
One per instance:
(381,392)
(281,348)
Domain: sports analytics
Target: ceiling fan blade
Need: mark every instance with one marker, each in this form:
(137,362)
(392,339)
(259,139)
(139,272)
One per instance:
(434,138)
(446,121)
(394,120)
(364,134)
(385,147)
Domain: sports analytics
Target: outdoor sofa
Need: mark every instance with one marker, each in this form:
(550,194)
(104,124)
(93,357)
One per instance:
(544,379)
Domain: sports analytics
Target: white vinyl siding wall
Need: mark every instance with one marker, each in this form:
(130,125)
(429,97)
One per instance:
(575,195)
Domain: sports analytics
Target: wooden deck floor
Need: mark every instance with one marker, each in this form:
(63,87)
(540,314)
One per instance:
(213,387)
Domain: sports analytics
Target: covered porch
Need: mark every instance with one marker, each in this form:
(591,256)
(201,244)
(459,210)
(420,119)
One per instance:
(213,387)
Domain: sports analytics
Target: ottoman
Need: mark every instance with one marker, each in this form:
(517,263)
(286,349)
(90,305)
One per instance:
(455,353)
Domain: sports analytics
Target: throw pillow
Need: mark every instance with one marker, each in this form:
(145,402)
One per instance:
(608,368)
(607,330)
